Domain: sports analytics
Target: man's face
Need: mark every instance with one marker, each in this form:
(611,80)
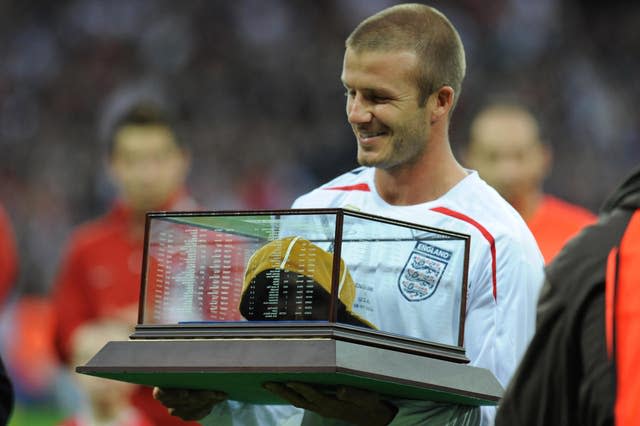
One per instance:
(148,166)
(391,128)
(506,151)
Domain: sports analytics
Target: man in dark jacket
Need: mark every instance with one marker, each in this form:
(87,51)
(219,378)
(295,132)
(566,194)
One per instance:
(578,366)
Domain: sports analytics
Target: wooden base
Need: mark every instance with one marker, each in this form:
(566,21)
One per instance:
(239,367)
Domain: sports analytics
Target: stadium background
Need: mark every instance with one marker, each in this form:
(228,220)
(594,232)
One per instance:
(256,86)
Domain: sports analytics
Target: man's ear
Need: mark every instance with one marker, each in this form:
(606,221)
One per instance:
(442,101)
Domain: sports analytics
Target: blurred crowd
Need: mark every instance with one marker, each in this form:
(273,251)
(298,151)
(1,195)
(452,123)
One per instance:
(255,86)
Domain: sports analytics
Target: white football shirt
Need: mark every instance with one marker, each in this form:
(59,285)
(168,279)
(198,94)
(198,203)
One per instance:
(504,279)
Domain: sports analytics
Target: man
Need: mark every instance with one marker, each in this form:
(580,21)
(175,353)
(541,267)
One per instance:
(581,367)
(402,71)
(99,277)
(506,149)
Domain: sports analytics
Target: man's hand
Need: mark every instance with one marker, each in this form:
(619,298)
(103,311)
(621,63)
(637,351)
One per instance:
(188,404)
(352,405)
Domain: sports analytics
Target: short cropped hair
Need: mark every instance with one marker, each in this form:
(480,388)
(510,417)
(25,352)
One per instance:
(426,32)
(145,114)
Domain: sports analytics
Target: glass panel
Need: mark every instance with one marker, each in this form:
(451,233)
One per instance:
(408,281)
(196,268)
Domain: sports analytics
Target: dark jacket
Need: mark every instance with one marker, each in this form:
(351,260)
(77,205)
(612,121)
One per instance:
(566,376)
(6,395)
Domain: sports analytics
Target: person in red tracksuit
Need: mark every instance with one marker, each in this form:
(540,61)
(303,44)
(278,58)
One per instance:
(99,276)
(507,149)
(581,365)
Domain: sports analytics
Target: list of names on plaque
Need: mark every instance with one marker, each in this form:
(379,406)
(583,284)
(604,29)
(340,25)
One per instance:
(224,263)
(194,274)
(287,289)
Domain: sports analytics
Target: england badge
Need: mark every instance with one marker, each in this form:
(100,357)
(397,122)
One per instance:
(423,271)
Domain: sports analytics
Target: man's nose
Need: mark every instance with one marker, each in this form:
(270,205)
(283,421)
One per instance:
(358,111)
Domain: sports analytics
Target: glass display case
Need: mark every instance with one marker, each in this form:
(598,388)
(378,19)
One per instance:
(304,273)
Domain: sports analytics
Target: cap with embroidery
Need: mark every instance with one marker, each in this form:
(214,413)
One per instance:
(290,279)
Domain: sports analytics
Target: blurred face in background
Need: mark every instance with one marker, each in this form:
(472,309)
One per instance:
(147,165)
(506,150)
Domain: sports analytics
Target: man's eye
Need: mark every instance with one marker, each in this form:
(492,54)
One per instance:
(380,99)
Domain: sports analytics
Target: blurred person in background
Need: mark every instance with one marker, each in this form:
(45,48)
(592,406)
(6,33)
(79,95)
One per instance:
(8,273)
(506,148)
(28,368)
(581,367)
(8,256)
(27,351)
(100,273)
(104,402)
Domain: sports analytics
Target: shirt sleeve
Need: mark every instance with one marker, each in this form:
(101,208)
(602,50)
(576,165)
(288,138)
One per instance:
(411,412)
(70,304)
(499,324)
(235,413)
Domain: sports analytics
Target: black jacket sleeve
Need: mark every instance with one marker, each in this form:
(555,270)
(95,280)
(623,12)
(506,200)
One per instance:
(6,395)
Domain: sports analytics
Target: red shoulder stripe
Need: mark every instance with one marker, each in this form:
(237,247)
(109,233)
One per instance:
(356,187)
(486,234)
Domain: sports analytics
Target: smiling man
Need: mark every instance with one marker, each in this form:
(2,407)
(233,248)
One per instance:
(403,70)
